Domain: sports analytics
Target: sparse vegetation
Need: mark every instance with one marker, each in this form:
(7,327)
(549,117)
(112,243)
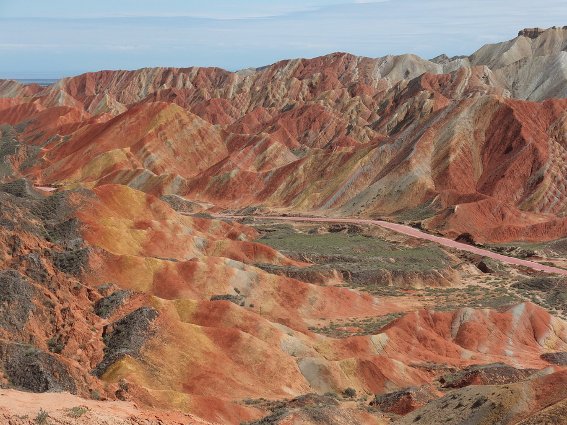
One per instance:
(366,262)
(356,249)
(77,411)
(367,326)
(310,405)
(42,417)
(106,306)
(55,344)
(235,299)
(349,392)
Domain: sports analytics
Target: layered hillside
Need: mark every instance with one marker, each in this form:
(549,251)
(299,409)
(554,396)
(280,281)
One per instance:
(110,294)
(119,288)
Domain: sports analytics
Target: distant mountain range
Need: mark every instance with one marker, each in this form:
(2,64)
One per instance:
(469,144)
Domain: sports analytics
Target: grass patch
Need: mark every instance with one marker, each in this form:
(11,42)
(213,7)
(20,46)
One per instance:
(42,417)
(364,251)
(77,411)
(368,326)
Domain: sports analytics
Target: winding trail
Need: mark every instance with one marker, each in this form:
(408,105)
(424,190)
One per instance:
(413,232)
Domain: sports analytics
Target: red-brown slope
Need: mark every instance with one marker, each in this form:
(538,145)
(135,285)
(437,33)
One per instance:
(13,89)
(158,137)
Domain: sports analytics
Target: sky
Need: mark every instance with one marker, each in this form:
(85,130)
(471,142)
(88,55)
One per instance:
(57,38)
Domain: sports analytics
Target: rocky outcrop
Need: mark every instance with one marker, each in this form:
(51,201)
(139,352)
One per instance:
(490,374)
(126,337)
(497,404)
(31,369)
(559,358)
(404,401)
(16,295)
(107,306)
(531,32)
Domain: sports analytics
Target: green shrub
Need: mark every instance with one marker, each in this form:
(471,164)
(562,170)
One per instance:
(77,411)
(55,345)
(42,417)
(349,392)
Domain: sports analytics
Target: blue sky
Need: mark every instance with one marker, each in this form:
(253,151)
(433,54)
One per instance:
(51,39)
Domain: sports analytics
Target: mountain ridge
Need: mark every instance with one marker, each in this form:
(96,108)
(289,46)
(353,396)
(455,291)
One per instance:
(374,122)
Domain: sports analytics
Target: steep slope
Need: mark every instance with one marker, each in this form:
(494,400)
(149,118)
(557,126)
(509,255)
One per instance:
(149,140)
(531,66)
(13,89)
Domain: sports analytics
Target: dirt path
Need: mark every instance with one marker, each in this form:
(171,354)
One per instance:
(410,231)
(23,408)
(46,188)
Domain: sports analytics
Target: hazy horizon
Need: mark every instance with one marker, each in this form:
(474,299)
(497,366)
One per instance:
(51,40)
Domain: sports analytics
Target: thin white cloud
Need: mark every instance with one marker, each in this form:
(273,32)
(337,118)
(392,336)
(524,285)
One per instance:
(29,46)
(210,9)
(257,36)
(67,46)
